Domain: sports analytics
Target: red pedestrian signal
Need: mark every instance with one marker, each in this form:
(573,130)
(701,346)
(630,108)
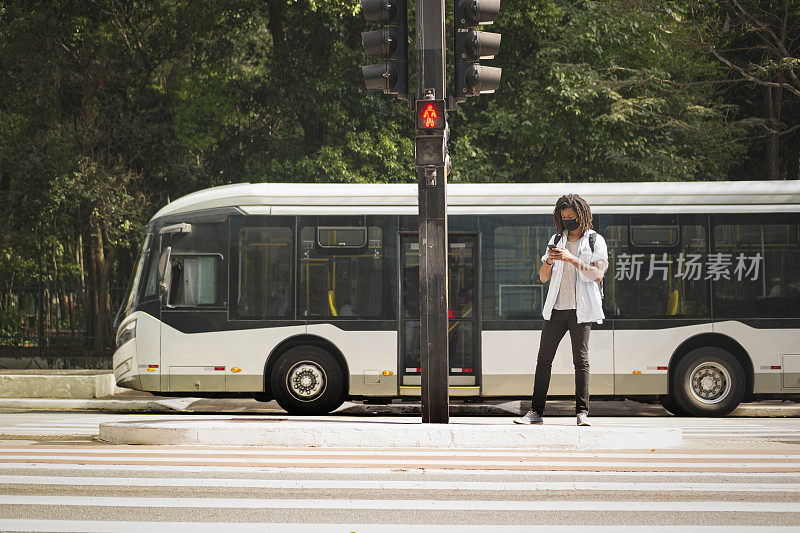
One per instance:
(431,115)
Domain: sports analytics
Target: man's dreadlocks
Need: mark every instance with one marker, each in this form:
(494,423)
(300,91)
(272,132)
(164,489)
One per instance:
(579,205)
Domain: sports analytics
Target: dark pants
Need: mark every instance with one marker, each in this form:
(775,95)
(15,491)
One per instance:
(553,331)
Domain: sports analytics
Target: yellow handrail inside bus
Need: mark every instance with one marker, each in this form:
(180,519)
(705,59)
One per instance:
(672,304)
(330,303)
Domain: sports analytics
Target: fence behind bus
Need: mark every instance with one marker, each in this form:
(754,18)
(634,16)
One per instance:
(54,327)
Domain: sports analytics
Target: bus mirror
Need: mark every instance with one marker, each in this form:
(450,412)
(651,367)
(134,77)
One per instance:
(183,227)
(165,273)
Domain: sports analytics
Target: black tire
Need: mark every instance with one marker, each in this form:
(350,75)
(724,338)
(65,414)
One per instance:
(317,386)
(262,396)
(672,407)
(708,382)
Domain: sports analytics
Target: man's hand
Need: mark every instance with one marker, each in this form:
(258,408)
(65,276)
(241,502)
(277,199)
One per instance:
(566,256)
(595,271)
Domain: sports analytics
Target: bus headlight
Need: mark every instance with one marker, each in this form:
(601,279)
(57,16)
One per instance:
(127,333)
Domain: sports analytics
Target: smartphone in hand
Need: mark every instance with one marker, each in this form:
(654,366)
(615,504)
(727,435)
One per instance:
(553,252)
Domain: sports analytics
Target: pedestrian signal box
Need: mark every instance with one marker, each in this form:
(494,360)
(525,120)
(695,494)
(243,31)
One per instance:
(431,115)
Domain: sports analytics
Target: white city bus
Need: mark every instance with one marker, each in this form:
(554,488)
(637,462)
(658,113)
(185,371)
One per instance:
(308,294)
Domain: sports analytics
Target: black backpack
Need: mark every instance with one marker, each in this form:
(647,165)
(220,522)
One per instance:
(592,238)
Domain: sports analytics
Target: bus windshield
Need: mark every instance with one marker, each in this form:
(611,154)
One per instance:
(133,285)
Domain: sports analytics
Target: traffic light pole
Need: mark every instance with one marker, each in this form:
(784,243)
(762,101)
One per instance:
(432,180)
(430,148)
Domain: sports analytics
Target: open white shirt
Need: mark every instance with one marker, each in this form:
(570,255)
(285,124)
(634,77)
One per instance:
(588,302)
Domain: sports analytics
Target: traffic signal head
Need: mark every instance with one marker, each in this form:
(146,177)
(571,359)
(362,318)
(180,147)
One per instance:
(482,44)
(389,43)
(430,150)
(472,45)
(384,11)
(481,80)
(380,43)
(431,115)
(480,11)
(380,77)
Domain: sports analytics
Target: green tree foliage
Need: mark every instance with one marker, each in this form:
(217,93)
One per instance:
(593,91)
(756,46)
(110,108)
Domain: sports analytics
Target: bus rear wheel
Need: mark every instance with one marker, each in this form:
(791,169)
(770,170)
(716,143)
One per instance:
(307,380)
(708,382)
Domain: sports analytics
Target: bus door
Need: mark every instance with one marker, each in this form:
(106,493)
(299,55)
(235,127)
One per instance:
(464,315)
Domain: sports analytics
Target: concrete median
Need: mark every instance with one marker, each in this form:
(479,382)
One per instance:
(71,384)
(394,433)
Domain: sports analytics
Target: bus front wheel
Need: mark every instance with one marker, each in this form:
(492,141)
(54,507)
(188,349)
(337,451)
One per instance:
(708,382)
(307,380)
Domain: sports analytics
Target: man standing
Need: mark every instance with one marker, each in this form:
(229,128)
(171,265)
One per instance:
(575,262)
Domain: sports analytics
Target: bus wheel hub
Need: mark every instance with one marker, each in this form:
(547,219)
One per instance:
(306,380)
(710,383)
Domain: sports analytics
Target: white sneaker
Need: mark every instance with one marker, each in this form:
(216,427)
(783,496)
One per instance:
(583,419)
(530,418)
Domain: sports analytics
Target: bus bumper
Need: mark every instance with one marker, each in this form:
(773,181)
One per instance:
(125,367)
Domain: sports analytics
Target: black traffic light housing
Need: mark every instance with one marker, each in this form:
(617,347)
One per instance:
(389,43)
(472,45)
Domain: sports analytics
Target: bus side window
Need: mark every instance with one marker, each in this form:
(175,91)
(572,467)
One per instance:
(512,247)
(338,278)
(264,279)
(655,267)
(759,269)
(194,281)
(517,249)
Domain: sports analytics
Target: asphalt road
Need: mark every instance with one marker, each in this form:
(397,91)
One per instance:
(740,474)
(762,409)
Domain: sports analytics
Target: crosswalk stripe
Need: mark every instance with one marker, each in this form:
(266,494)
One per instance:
(398,485)
(524,461)
(691,429)
(380,470)
(753,434)
(403,504)
(423,452)
(741,432)
(260,527)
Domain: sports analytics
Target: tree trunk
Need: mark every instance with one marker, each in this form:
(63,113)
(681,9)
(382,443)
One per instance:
(314,130)
(68,290)
(63,308)
(85,302)
(108,309)
(793,165)
(98,269)
(774,100)
(275,24)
